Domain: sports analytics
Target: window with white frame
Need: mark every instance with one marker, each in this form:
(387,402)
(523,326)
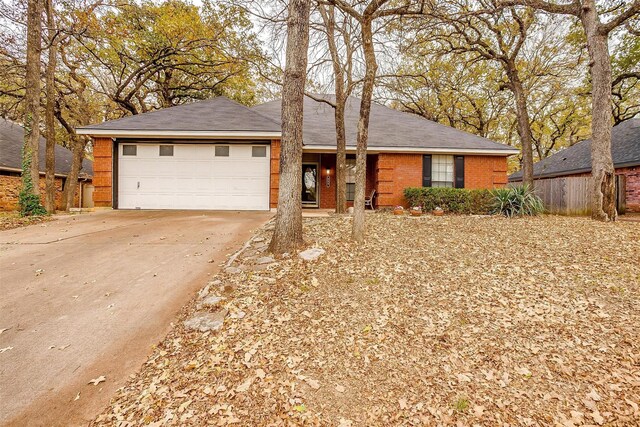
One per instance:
(350,178)
(166,150)
(441,170)
(259,151)
(129,150)
(222,151)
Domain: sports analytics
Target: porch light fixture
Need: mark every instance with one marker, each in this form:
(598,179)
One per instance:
(328,176)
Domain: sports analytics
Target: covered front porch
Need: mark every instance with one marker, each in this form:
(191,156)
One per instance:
(319,179)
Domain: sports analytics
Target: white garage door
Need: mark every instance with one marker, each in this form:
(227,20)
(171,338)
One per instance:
(193,176)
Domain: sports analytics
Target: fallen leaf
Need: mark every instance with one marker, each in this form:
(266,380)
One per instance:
(590,404)
(593,395)
(478,410)
(244,386)
(524,371)
(597,417)
(403,403)
(312,383)
(463,378)
(98,380)
(184,406)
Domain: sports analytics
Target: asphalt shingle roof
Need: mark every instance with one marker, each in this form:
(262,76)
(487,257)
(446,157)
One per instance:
(625,150)
(217,114)
(387,127)
(11,141)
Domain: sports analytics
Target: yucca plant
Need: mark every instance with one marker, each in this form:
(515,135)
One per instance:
(517,201)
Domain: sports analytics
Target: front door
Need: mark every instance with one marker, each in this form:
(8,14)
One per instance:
(310,186)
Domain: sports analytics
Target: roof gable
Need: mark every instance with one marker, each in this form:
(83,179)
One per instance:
(12,140)
(625,151)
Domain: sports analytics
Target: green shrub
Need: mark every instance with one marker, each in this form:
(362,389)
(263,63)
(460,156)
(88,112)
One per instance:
(454,200)
(517,201)
(30,205)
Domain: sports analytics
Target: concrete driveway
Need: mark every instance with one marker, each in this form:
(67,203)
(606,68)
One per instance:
(89,295)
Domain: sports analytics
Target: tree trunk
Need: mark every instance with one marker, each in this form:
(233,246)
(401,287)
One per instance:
(358,231)
(602,171)
(50,158)
(341,153)
(524,124)
(341,99)
(71,183)
(287,234)
(32,99)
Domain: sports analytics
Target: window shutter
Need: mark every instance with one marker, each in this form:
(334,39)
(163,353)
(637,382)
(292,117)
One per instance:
(458,167)
(426,170)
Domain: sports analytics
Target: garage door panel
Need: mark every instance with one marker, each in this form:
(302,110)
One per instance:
(193,178)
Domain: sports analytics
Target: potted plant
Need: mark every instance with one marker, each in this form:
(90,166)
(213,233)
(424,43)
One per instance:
(416,211)
(398,210)
(438,211)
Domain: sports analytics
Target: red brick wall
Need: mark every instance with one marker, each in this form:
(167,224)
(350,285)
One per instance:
(485,172)
(10,187)
(275,173)
(399,171)
(328,194)
(102,172)
(395,172)
(633,187)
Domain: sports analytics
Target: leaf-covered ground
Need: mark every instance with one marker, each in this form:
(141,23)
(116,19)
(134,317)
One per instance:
(434,321)
(9,220)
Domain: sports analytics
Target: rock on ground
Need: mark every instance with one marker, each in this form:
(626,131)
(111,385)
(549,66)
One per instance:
(311,254)
(203,322)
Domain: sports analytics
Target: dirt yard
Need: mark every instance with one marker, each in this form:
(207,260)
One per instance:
(434,321)
(9,220)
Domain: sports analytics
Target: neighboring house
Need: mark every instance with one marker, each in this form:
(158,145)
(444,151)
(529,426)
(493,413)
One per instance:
(576,161)
(218,154)
(11,142)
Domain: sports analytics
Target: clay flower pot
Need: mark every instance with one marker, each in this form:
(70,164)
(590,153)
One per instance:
(438,212)
(415,213)
(398,211)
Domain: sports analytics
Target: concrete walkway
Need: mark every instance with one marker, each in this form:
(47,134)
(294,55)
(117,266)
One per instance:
(87,296)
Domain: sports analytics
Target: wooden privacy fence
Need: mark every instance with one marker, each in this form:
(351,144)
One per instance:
(572,195)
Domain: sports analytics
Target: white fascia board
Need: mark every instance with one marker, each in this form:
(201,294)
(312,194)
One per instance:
(177,134)
(425,150)
(8,169)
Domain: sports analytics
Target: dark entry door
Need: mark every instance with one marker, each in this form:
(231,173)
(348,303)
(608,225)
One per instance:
(310,194)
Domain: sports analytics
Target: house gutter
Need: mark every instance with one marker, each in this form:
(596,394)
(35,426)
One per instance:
(4,168)
(409,150)
(177,134)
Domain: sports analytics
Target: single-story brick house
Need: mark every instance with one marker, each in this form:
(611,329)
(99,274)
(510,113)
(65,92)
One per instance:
(11,142)
(576,161)
(218,154)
